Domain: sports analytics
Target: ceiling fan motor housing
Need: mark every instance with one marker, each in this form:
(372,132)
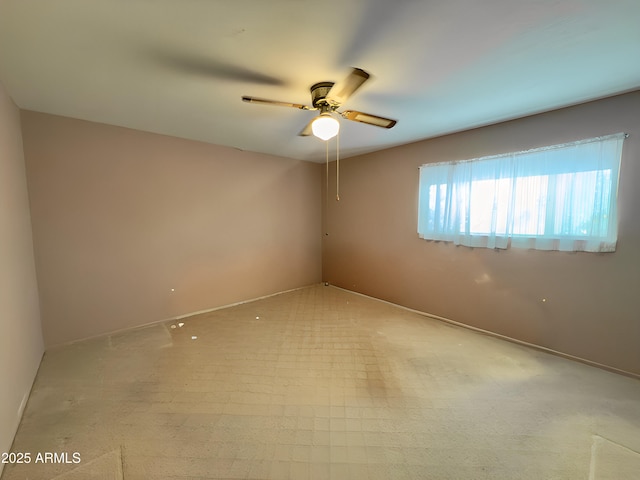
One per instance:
(327,98)
(319,92)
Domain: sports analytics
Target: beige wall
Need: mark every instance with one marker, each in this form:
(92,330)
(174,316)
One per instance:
(122,217)
(592,307)
(20,333)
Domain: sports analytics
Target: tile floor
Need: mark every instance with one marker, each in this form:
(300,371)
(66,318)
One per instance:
(320,383)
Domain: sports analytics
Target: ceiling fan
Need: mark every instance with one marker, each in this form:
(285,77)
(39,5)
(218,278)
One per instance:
(328,97)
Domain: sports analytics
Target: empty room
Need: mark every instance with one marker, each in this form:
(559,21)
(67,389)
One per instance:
(354,239)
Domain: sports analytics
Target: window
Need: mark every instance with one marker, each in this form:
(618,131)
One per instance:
(561,197)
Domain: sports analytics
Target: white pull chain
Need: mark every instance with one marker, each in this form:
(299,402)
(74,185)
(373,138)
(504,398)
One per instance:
(326,197)
(338,167)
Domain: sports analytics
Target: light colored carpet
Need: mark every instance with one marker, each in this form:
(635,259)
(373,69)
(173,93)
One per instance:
(106,467)
(610,461)
(323,384)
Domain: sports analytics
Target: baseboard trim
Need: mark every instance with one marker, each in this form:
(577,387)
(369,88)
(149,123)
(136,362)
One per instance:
(21,409)
(500,336)
(180,317)
(173,319)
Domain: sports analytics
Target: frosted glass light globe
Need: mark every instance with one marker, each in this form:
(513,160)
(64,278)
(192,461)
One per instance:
(325,127)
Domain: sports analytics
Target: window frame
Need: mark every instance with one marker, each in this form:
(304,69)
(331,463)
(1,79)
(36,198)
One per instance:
(520,165)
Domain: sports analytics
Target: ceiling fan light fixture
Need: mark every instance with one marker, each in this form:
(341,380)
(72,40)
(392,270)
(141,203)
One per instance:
(325,127)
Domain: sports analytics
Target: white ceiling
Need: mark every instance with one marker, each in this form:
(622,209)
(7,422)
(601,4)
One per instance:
(180,67)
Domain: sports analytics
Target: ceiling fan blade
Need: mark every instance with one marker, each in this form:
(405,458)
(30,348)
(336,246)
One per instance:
(374,25)
(341,91)
(368,119)
(264,101)
(202,65)
(306,131)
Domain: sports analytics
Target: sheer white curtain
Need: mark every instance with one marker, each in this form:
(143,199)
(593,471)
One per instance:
(554,198)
